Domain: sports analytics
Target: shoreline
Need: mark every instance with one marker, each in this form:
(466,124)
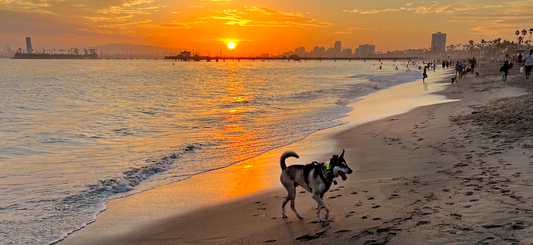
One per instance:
(264,161)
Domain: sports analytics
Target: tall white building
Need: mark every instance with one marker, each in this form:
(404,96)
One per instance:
(366,50)
(438,42)
(347,53)
(338,50)
(301,51)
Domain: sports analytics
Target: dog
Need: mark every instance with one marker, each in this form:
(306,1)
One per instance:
(454,79)
(315,178)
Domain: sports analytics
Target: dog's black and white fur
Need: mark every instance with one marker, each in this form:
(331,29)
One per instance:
(313,177)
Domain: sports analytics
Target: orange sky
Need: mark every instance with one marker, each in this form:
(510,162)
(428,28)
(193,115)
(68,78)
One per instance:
(258,26)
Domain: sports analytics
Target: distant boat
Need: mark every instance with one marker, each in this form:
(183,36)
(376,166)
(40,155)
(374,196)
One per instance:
(55,56)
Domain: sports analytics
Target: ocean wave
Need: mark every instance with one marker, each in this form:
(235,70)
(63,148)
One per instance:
(128,180)
(94,197)
(396,78)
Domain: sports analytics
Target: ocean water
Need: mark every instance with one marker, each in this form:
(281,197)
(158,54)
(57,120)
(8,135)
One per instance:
(77,133)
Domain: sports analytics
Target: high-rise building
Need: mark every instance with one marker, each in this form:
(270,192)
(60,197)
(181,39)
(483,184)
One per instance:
(338,50)
(302,51)
(317,52)
(8,48)
(438,42)
(366,50)
(330,53)
(347,53)
(28,45)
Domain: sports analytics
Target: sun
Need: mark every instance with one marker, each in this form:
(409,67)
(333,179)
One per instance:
(231,45)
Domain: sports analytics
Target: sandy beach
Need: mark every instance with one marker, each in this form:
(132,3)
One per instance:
(449,173)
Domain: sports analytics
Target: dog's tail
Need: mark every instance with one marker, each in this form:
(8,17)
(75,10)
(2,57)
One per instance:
(286,155)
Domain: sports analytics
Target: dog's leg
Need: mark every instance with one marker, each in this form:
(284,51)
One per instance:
(324,205)
(285,201)
(318,211)
(291,195)
(294,208)
(320,202)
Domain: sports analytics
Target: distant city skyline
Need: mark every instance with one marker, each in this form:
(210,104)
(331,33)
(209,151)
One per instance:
(333,52)
(257,26)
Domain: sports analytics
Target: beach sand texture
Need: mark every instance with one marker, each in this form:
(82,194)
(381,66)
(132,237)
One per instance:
(452,173)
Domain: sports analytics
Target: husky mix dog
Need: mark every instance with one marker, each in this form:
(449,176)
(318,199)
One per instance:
(314,177)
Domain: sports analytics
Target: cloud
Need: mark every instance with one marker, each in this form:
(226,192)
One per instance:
(225,40)
(450,9)
(435,8)
(193,6)
(265,17)
(173,25)
(493,6)
(39,25)
(375,11)
(352,11)
(352,29)
(98,16)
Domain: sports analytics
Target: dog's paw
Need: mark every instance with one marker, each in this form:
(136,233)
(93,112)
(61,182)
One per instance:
(322,220)
(284,216)
(300,217)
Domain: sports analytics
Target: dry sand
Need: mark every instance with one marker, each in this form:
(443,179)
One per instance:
(453,173)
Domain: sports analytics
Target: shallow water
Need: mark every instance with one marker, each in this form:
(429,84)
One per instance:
(78,133)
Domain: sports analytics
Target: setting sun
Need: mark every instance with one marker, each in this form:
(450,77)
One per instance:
(231,45)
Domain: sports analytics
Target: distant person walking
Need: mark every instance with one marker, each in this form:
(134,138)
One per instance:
(528,63)
(473,64)
(424,75)
(460,67)
(505,70)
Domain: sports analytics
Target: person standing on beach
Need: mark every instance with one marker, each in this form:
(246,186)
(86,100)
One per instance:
(460,67)
(424,75)
(473,64)
(505,70)
(528,63)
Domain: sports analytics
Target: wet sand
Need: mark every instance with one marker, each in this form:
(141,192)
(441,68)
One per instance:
(452,173)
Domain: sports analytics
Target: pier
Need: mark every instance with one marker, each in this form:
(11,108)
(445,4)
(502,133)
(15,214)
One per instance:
(295,59)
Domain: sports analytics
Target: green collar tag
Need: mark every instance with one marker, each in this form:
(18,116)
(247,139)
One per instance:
(329,171)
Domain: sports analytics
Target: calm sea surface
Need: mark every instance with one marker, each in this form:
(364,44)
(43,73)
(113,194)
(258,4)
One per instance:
(75,134)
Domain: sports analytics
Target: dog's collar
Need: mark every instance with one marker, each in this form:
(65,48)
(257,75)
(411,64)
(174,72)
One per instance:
(329,171)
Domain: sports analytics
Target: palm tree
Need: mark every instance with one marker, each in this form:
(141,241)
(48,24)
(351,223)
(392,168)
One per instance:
(483,46)
(471,42)
(520,39)
(517,32)
(524,33)
(530,32)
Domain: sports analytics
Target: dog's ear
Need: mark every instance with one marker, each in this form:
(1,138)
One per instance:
(342,155)
(334,159)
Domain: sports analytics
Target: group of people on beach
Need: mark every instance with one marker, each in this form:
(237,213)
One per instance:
(460,68)
(526,63)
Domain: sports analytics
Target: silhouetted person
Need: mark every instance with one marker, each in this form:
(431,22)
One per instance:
(528,63)
(425,75)
(505,70)
(473,64)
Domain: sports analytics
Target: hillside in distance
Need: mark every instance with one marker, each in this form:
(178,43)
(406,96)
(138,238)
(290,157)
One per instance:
(124,50)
